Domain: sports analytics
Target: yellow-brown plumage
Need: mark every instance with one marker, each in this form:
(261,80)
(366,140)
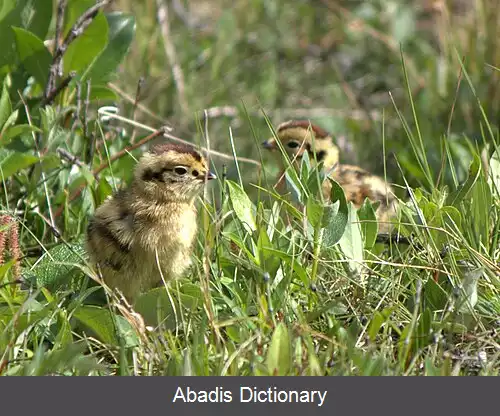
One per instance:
(148,229)
(297,136)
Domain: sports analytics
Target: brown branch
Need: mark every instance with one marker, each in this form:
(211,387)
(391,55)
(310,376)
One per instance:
(54,92)
(72,159)
(76,30)
(55,68)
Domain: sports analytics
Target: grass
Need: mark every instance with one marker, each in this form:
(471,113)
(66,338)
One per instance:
(273,289)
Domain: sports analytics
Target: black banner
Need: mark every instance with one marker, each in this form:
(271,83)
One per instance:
(237,396)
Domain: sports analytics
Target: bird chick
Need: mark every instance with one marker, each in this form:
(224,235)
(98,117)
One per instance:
(147,230)
(297,136)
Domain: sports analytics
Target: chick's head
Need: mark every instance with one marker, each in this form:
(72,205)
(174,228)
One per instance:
(297,136)
(174,172)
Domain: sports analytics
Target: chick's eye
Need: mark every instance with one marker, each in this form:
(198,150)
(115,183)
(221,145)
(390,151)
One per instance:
(292,145)
(180,170)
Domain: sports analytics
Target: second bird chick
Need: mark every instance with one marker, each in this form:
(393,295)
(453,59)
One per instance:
(297,136)
(147,231)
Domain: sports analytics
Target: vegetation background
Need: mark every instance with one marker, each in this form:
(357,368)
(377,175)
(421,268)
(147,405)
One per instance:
(410,90)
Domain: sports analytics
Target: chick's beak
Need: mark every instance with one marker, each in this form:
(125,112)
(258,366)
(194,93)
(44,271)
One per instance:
(269,144)
(210,176)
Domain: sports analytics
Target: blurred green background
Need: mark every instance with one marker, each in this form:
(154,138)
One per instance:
(337,63)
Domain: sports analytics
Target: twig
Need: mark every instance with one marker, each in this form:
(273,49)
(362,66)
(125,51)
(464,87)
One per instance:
(139,106)
(179,140)
(162,16)
(54,92)
(55,68)
(136,102)
(78,28)
(70,158)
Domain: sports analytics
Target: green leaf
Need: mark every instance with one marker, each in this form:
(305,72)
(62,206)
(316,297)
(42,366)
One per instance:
(9,122)
(337,224)
(456,197)
(159,307)
(470,277)
(33,54)
(314,210)
(10,15)
(120,36)
(494,178)
(242,206)
(37,16)
(31,15)
(84,51)
(375,324)
(351,242)
(102,323)
(56,265)
(101,93)
(369,224)
(12,162)
(5,106)
(278,356)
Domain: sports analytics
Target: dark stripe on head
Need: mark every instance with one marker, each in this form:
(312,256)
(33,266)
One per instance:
(320,155)
(150,175)
(178,148)
(304,124)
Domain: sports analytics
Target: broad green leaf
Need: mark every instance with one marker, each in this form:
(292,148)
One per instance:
(314,210)
(12,162)
(336,227)
(104,190)
(58,264)
(33,54)
(106,326)
(294,185)
(375,324)
(120,36)
(369,224)
(10,122)
(298,269)
(242,206)
(351,242)
(481,200)
(456,197)
(84,51)
(37,15)
(470,277)
(102,94)
(494,177)
(31,15)
(279,353)
(5,106)
(159,307)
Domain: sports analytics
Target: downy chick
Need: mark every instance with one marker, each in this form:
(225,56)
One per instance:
(147,231)
(297,136)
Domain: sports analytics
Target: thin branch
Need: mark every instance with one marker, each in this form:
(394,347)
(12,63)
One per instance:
(55,68)
(162,16)
(140,84)
(179,140)
(54,92)
(72,159)
(77,30)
